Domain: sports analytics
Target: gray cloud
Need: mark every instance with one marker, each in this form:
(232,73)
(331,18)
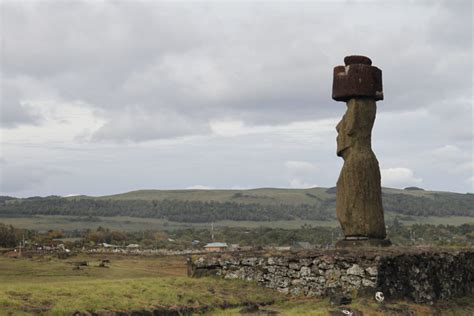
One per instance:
(13,111)
(128,126)
(159,72)
(17,178)
(264,63)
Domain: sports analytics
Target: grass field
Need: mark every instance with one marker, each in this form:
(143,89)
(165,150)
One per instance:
(261,195)
(45,222)
(68,223)
(49,286)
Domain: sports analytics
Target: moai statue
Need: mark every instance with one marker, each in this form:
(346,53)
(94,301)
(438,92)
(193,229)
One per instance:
(358,191)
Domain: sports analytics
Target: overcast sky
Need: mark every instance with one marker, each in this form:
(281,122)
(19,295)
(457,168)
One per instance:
(102,97)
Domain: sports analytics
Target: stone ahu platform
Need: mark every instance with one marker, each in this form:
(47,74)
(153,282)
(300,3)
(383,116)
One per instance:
(422,275)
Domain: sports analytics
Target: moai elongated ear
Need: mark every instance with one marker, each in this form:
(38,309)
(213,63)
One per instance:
(358,78)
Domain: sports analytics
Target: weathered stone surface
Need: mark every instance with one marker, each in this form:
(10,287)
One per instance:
(356,270)
(363,243)
(294,265)
(352,280)
(417,275)
(359,195)
(357,81)
(305,272)
(249,261)
(372,271)
(357,59)
(368,283)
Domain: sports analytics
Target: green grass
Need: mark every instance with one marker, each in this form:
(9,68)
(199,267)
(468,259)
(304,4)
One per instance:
(434,220)
(68,223)
(368,307)
(262,196)
(51,287)
(47,222)
(126,294)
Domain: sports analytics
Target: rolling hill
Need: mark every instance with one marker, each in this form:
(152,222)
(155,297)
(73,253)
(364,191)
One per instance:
(265,204)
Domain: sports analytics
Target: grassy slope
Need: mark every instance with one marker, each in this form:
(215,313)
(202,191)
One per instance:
(50,287)
(263,195)
(267,196)
(68,223)
(367,306)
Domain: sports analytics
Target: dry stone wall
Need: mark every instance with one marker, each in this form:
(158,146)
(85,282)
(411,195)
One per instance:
(422,276)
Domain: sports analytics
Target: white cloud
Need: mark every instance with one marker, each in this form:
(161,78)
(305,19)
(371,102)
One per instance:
(399,177)
(16,178)
(61,122)
(470,182)
(261,63)
(297,183)
(200,187)
(450,153)
(133,124)
(300,173)
(300,167)
(227,93)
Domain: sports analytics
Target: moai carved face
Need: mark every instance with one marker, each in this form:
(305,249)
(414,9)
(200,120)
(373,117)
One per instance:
(343,138)
(355,128)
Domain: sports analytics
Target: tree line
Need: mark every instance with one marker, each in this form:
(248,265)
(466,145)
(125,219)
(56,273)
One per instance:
(186,238)
(172,210)
(437,204)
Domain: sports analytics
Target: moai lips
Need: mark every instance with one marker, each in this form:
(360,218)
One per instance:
(357,79)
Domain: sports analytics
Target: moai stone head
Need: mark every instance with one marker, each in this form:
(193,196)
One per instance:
(357,79)
(356,83)
(355,128)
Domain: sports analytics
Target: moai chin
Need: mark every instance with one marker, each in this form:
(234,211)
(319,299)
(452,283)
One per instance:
(358,192)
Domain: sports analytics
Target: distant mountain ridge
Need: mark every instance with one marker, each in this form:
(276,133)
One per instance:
(263,204)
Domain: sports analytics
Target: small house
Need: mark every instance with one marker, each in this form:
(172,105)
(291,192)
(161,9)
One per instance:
(216,246)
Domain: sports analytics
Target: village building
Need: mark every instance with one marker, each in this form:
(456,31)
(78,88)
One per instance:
(216,246)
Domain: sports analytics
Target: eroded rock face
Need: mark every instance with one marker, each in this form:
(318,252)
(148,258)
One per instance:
(359,194)
(422,276)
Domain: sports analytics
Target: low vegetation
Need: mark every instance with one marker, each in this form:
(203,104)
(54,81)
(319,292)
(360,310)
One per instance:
(175,220)
(185,238)
(201,206)
(49,286)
